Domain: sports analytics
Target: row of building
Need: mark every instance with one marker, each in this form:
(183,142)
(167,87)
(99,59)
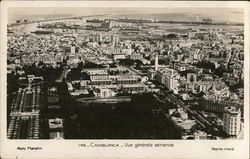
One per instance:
(24,127)
(104,83)
(25,114)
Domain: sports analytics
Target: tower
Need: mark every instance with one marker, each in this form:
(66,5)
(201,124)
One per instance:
(156,62)
(232,121)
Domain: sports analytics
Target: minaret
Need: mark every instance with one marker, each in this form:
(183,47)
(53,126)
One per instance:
(156,62)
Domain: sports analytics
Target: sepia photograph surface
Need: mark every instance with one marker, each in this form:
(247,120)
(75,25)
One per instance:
(126,73)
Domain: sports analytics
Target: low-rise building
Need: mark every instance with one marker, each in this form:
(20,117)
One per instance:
(200,135)
(118,56)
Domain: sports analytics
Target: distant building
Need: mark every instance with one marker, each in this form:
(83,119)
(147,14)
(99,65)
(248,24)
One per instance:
(200,135)
(25,114)
(26,102)
(101,82)
(96,38)
(213,106)
(24,127)
(180,66)
(151,73)
(73,50)
(118,56)
(69,49)
(144,79)
(184,124)
(104,92)
(35,80)
(136,56)
(124,79)
(55,123)
(133,88)
(115,39)
(59,57)
(97,74)
(183,114)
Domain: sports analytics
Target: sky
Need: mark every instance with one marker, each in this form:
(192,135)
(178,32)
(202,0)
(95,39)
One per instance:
(220,14)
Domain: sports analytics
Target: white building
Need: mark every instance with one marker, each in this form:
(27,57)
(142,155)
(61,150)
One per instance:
(169,78)
(200,135)
(156,62)
(115,39)
(97,74)
(118,56)
(55,123)
(231,121)
(104,92)
(73,50)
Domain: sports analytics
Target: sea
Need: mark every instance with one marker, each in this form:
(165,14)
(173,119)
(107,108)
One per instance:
(27,28)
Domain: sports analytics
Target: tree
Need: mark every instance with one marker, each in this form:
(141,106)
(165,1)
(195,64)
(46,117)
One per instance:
(138,63)
(12,82)
(126,62)
(85,76)
(92,65)
(80,65)
(171,36)
(133,120)
(219,71)
(205,65)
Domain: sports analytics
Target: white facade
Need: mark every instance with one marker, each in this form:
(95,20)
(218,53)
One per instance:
(170,78)
(115,39)
(118,56)
(156,62)
(231,121)
(73,50)
(104,93)
(200,135)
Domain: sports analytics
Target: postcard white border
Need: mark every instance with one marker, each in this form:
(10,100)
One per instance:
(190,149)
